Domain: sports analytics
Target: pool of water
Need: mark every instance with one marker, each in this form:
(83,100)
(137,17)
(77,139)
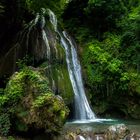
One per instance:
(95,126)
(100,125)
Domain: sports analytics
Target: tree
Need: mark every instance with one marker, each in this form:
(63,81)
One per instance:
(56,5)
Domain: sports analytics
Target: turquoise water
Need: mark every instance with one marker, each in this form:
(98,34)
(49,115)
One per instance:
(97,126)
(100,125)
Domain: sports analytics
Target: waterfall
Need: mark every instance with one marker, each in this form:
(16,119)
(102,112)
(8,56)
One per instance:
(46,43)
(81,137)
(81,105)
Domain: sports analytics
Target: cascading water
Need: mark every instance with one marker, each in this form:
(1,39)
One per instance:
(62,69)
(81,105)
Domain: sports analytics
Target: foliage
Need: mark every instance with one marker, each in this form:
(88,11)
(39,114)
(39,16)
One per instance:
(1,91)
(29,100)
(57,6)
(11,138)
(108,32)
(5,123)
(98,16)
(22,63)
(130,39)
(107,71)
(105,13)
(103,61)
(55,114)
(16,88)
(82,33)
(99,61)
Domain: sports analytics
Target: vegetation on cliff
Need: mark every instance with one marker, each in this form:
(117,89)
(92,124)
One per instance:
(108,32)
(28,104)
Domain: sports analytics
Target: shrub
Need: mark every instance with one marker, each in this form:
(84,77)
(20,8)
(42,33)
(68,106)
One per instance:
(30,103)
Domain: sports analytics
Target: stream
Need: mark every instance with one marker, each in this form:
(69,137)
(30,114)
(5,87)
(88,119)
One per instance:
(100,125)
(96,127)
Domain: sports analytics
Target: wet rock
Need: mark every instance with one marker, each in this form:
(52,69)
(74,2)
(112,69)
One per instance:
(132,136)
(99,137)
(117,132)
(79,137)
(114,132)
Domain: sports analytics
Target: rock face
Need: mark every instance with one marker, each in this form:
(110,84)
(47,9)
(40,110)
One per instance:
(40,47)
(30,104)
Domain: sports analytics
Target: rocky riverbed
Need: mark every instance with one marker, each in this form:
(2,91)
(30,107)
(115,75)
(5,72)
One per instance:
(91,131)
(113,132)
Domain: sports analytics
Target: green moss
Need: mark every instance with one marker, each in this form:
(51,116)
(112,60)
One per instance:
(59,79)
(5,123)
(20,126)
(64,85)
(62,114)
(45,99)
(52,113)
(31,103)
(60,53)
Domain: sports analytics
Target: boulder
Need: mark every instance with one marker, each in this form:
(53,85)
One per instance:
(117,132)
(31,105)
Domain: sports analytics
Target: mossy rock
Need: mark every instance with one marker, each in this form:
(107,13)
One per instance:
(31,103)
(59,80)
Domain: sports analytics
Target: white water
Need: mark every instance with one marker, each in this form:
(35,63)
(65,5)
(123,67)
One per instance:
(46,43)
(81,105)
(81,137)
(39,19)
